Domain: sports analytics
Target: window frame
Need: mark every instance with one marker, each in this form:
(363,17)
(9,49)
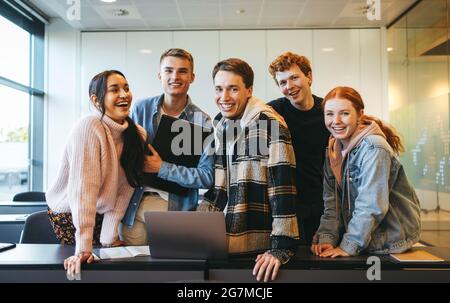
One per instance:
(19,16)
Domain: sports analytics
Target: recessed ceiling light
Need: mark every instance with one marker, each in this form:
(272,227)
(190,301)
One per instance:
(389,49)
(327,49)
(108,1)
(240,11)
(120,12)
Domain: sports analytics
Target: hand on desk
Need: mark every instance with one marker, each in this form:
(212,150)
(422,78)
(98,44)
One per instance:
(73,264)
(317,249)
(333,253)
(152,164)
(265,265)
(118,243)
(326,250)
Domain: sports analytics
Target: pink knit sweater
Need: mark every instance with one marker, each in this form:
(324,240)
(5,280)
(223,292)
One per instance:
(91,180)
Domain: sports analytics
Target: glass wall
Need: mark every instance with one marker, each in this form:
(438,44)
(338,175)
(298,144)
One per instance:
(21,102)
(418,51)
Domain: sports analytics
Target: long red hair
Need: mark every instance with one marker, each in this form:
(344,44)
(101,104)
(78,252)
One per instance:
(350,94)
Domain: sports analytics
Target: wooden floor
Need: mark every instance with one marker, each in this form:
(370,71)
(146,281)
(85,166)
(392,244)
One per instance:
(435,220)
(435,228)
(436,238)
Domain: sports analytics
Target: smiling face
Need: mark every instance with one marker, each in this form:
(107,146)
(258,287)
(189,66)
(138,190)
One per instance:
(176,75)
(341,118)
(231,95)
(294,85)
(117,99)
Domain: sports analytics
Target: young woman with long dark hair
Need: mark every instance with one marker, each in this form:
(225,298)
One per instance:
(102,162)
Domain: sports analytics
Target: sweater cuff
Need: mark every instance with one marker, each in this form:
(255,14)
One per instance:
(83,242)
(327,239)
(109,232)
(350,247)
(284,255)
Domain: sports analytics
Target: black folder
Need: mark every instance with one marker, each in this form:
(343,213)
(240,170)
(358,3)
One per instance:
(6,246)
(163,145)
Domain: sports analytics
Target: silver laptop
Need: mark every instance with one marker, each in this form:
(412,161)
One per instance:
(186,235)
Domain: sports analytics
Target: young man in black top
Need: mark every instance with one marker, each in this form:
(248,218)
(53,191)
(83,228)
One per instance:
(303,114)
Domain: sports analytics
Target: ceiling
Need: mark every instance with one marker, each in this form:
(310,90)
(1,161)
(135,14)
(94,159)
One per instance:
(221,14)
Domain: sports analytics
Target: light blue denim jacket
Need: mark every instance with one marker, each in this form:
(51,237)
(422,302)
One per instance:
(376,210)
(145,113)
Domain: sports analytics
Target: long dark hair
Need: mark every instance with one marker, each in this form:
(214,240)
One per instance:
(354,97)
(132,158)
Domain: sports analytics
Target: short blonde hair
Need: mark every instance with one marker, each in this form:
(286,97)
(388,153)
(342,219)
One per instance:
(179,53)
(284,61)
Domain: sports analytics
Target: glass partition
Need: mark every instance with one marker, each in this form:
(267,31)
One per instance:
(418,52)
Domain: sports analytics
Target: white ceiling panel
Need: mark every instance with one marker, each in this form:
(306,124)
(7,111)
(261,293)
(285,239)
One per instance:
(159,10)
(203,23)
(241,22)
(205,11)
(286,9)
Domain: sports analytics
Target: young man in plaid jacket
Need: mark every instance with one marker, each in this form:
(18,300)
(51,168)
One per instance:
(254,172)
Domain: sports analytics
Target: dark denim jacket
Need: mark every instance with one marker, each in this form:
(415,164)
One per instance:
(376,210)
(145,113)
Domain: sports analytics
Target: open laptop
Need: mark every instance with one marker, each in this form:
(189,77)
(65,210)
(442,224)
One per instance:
(186,235)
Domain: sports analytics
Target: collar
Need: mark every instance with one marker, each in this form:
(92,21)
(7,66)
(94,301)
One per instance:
(115,128)
(187,113)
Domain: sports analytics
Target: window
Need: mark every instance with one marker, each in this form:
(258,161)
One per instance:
(21,101)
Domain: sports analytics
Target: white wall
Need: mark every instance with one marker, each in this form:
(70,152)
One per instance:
(356,60)
(349,57)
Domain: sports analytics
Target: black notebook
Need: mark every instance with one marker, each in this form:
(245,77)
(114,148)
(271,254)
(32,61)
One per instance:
(6,246)
(188,138)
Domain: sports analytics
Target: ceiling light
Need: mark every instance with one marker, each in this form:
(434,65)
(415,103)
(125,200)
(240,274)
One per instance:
(327,49)
(120,12)
(389,49)
(108,1)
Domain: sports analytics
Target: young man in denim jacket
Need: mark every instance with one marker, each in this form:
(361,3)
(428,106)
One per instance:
(176,74)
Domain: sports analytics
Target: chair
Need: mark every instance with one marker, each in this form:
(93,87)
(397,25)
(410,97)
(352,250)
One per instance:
(30,196)
(38,230)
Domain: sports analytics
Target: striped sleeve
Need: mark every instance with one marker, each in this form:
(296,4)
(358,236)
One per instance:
(282,190)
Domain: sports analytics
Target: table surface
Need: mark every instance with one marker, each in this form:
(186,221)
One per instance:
(28,203)
(52,256)
(13,218)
